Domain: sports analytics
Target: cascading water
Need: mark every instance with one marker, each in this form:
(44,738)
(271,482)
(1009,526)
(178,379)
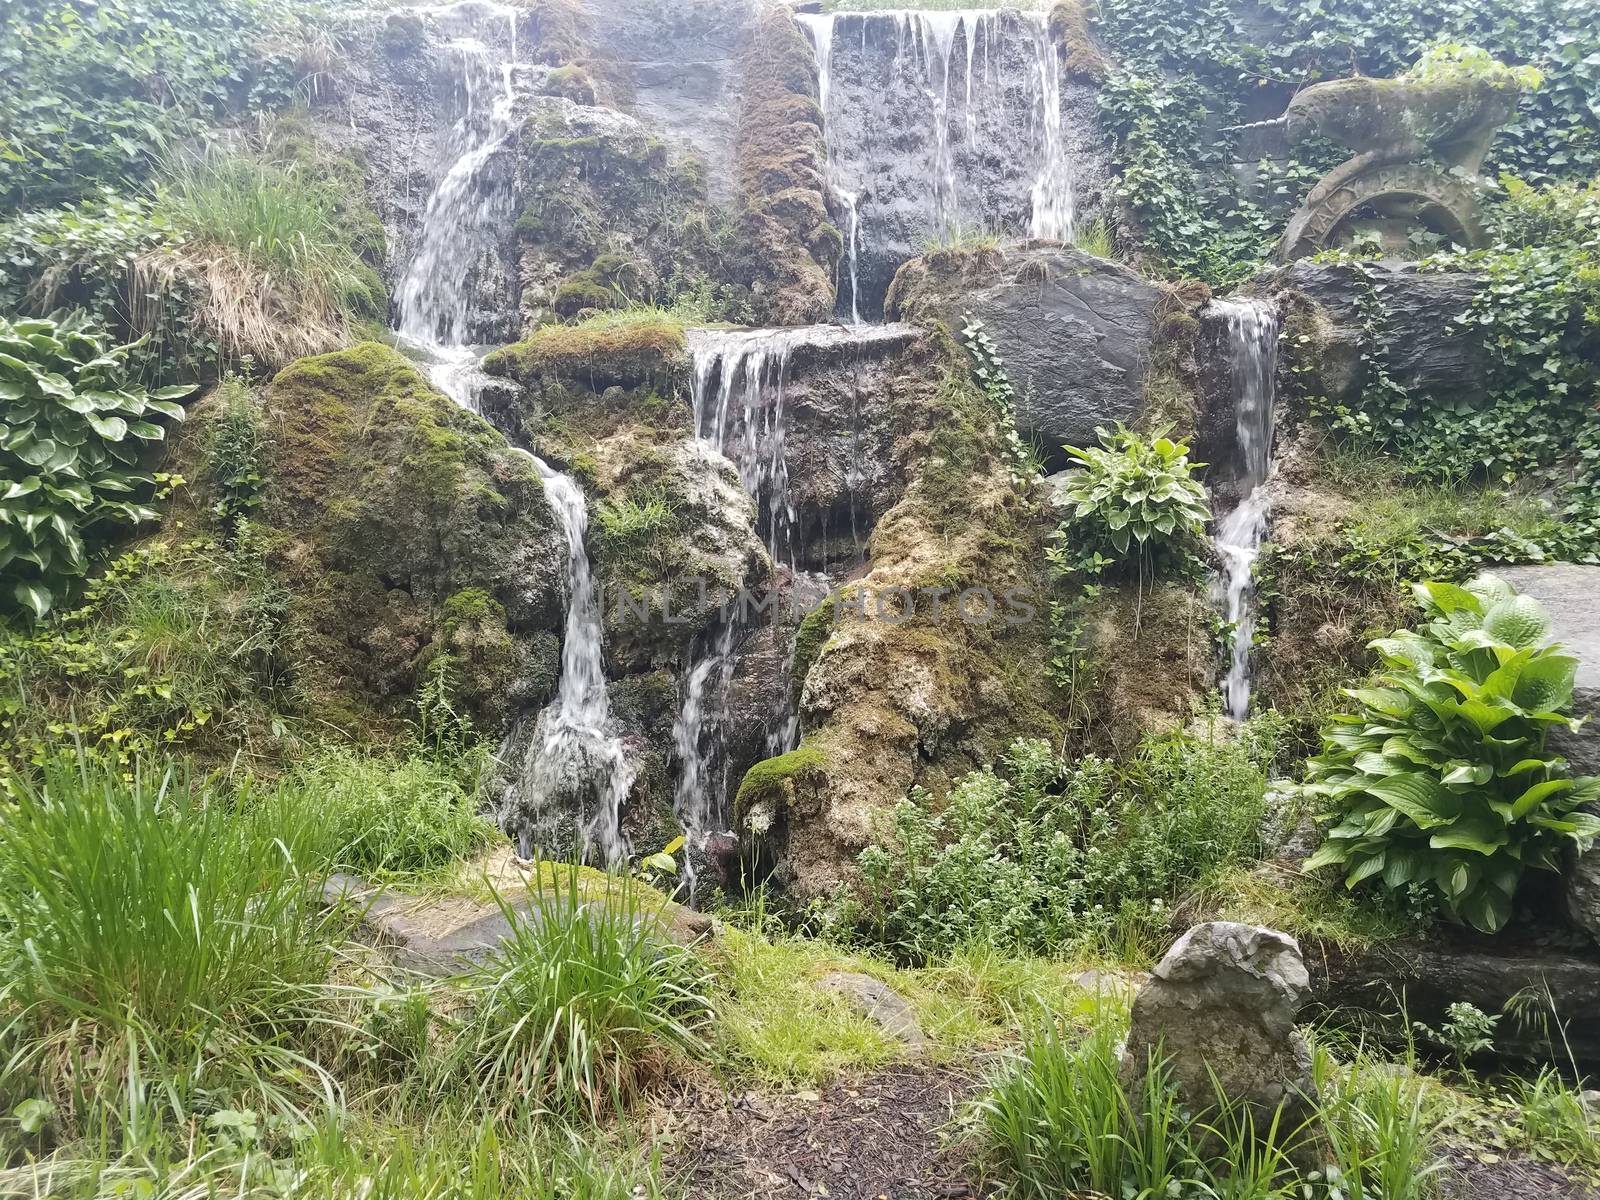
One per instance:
(951,94)
(738,405)
(466,213)
(1252,328)
(573,760)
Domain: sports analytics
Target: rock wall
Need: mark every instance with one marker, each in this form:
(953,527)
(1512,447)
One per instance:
(1075,332)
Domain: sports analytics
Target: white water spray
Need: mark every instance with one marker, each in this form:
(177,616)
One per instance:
(573,761)
(925,44)
(1253,359)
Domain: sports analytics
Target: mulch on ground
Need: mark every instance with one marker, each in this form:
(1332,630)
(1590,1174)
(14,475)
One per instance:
(881,1136)
(1512,1178)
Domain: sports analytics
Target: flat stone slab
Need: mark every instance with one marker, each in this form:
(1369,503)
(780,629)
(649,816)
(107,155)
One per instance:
(879,1003)
(446,935)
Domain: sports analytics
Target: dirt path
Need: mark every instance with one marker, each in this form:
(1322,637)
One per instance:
(878,1138)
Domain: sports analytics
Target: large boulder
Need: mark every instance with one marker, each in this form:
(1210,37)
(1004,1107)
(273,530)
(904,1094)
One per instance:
(1220,1010)
(1074,331)
(1567,590)
(403,528)
(1406,322)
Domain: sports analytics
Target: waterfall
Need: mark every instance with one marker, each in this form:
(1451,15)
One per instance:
(573,761)
(941,122)
(465,215)
(1252,328)
(738,405)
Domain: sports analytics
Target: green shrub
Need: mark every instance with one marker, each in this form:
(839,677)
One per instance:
(73,432)
(580,1006)
(1130,494)
(1047,858)
(158,942)
(1440,779)
(391,818)
(94,94)
(92,256)
(234,457)
(174,644)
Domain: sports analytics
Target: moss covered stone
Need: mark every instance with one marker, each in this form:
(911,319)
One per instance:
(598,354)
(788,260)
(769,779)
(405,527)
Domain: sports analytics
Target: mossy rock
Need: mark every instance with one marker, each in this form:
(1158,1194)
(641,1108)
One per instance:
(772,779)
(597,354)
(404,528)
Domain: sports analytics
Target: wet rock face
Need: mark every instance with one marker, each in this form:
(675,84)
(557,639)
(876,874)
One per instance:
(1073,330)
(894,80)
(1567,591)
(674,543)
(1418,338)
(677,65)
(1220,1008)
(607,213)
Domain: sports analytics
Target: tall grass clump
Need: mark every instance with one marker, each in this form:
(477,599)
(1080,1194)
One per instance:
(281,278)
(394,818)
(158,942)
(583,1004)
(1061,1120)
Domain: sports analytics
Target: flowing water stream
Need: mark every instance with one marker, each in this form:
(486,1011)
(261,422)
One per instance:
(574,762)
(1252,328)
(971,70)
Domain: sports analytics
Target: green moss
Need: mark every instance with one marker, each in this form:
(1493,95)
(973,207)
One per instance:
(815,630)
(625,351)
(402,34)
(766,780)
(399,519)
(571,81)
(582,293)
(1069,29)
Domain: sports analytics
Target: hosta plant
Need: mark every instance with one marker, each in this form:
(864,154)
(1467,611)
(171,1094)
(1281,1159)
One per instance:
(1130,494)
(1440,779)
(72,430)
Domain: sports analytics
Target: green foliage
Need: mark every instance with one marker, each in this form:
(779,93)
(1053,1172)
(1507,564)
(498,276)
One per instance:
(72,431)
(234,456)
(95,255)
(1441,779)
(1061,1121)
(272,250)
(1190,71)
(1466,1031)
(1046,858)
(1449,62)
(93,94)
(394,819)
(153,930)
(582,1003)
(173,645)
(634,521)
(990,373)
(1134,494)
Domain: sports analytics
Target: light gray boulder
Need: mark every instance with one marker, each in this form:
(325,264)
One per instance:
(1220,1010)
